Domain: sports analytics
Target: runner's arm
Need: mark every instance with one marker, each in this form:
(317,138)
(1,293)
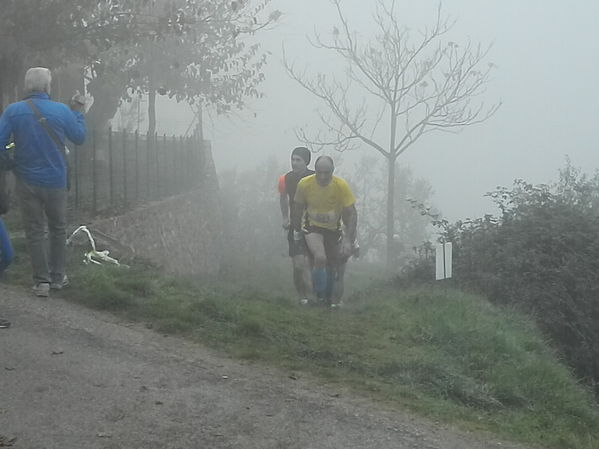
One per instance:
(299,203)
(284,203)
(296,217)
(349,215)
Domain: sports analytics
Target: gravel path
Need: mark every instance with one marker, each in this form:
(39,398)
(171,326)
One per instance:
(73,378)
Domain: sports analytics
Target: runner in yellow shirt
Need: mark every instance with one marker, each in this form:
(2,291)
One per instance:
(327,202)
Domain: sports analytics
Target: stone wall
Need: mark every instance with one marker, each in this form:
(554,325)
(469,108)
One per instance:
(181,234)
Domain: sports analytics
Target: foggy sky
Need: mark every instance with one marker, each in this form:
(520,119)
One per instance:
(547,79)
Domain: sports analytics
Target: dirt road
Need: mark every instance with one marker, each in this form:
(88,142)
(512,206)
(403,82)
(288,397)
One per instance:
(72,378)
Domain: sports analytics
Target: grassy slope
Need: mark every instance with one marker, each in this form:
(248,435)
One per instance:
(454,358)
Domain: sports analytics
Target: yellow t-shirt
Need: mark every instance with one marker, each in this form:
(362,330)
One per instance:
(324,204)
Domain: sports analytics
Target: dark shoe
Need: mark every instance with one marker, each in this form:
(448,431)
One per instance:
(41,289)
(59,285)
(4,324)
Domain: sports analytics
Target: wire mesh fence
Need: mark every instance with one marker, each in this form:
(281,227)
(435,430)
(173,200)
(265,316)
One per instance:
(116,170)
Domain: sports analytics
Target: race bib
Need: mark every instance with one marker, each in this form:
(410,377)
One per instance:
(325,218)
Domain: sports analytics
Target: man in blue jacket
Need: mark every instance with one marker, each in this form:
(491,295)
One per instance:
(41,172)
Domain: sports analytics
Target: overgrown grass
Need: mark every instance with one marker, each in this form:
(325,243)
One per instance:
(453,357)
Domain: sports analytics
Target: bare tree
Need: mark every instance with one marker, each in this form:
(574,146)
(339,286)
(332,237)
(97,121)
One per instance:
(417,82)
(412,227)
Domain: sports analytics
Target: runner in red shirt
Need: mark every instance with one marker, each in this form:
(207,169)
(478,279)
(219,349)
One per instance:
(300,158)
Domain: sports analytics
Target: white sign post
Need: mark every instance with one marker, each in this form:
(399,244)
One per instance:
(443,261)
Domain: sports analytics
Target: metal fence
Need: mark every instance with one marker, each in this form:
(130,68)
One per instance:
(115,170)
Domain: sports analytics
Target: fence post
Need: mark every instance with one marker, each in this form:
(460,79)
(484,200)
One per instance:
(165,183)
(94,176)
(177,175)
(136,165)
(176,178)
(185,164)
(148,151)
(124,166)
(190,162)
(198,153)
(157,151)
(110,167)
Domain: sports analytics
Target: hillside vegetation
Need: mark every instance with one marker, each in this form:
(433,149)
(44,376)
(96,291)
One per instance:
(539,256)
(453,357)
(517,356)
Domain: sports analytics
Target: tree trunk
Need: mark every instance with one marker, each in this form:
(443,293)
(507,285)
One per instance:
(391,190)
(151,108)
(106,101)
(200,125)
(20,88)
(390,211)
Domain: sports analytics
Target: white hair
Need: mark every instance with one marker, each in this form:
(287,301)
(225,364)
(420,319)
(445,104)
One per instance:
(38,79)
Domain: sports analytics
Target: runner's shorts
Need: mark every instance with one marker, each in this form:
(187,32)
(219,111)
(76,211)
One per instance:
(332,242)
(296,247)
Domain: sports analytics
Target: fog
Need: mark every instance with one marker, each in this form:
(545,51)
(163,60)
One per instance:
(546,79)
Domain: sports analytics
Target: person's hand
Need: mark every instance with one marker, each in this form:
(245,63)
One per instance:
(77,102)
(355,250)
(346,248)
(297,235)
(286,224)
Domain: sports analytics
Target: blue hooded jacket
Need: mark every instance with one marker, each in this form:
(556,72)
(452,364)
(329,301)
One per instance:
(38,160)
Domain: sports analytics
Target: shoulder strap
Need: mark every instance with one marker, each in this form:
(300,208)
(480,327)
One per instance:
(42,121)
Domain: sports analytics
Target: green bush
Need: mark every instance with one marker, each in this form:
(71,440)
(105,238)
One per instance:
(542,256)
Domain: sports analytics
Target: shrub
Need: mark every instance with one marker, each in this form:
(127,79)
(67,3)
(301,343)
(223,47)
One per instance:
(542,256)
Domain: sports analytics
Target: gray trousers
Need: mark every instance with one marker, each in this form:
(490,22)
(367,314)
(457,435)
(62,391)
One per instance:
(47,249)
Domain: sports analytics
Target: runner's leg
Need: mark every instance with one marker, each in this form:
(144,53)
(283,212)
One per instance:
(339,287)
(300,267)
(315,243)
(331,247)
(302,278)
(307,275)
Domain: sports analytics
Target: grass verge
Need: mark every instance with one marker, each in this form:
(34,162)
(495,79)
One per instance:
(453,358)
